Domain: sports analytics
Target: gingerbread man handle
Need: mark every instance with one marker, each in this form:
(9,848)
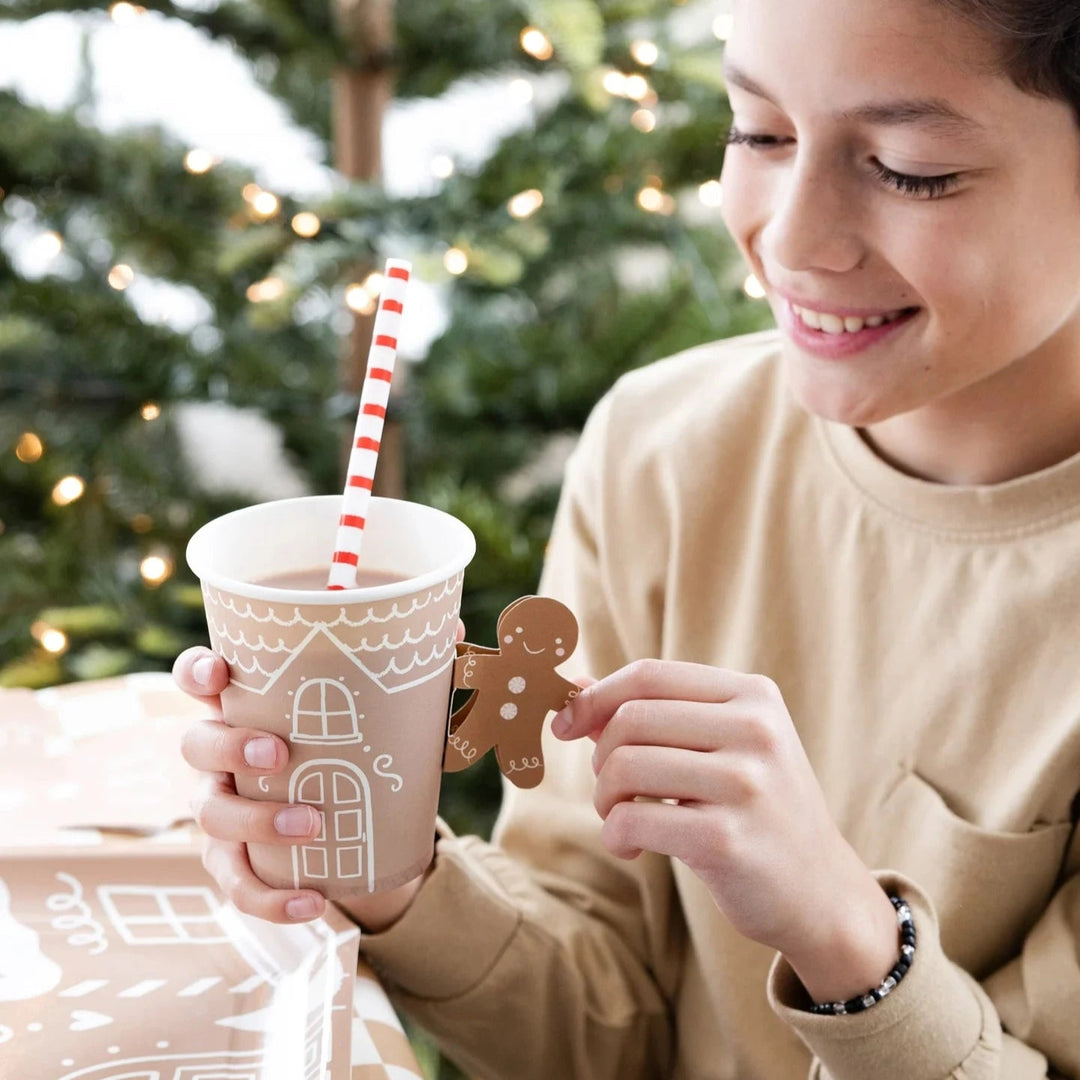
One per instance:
(514,688)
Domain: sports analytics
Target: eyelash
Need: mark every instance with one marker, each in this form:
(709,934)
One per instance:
(928,187)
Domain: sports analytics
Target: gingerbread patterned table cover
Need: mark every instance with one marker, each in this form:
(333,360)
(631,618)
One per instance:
(118,956)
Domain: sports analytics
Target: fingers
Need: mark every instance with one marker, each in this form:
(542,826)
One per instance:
(224,815)
(634,827)
(460,630)
(229,866)
(202,674)
(664,772)
(647,679)
(212,746)
(686,724)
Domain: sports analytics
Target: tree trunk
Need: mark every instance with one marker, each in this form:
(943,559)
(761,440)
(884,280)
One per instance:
(362,92)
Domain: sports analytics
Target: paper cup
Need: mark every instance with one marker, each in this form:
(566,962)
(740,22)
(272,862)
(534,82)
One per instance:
(358,682)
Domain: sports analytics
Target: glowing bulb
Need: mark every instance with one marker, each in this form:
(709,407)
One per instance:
(49,245)
(536,43)
(456,261)
(123,12)
(722,26)
(614,82)
(306,224)
(525,203)
(68,490)
(142,523)
(121,276)
(643,120)
(752,288)
(651,199)
(358,299)
(265,204)
(645,53)
(636,87)
(373,283)
(29,448)
(199,161)
(150,411)
(521,90)
(711,193)
(442,166)
(155,569)
(250,192)
(54,641)
(270,288)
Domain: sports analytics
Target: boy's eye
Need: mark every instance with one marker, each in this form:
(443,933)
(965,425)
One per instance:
(926,187)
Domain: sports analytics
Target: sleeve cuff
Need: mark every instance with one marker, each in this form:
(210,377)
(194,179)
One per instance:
(934,1020)
(455,930)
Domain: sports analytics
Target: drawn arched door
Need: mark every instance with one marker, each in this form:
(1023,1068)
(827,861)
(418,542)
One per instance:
(344,845)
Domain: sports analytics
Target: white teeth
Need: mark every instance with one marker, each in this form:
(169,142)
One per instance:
(834,324)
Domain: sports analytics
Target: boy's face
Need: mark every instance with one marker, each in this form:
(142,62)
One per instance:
(992,267)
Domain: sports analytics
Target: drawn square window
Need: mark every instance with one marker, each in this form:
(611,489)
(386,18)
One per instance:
(314,862)
(349,861)
(191,906)
(147,915)
(347,825)
(139,905)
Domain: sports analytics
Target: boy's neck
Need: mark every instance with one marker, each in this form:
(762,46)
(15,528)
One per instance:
(1020,421)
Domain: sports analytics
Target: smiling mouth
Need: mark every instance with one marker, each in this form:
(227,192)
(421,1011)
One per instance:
(531,652)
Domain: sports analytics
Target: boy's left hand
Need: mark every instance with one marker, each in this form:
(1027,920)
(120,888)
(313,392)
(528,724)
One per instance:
(744,812)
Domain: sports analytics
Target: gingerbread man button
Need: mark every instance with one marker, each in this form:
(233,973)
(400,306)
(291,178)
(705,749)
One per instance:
(515,686)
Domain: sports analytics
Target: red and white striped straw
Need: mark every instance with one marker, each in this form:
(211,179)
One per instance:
(369,426)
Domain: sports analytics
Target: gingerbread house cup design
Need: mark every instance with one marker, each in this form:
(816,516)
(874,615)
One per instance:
(135,969)
(362,693)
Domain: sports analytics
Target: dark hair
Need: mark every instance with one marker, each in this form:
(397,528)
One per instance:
(1039,42)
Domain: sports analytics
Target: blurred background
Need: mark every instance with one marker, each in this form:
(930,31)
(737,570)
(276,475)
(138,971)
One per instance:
(195,200)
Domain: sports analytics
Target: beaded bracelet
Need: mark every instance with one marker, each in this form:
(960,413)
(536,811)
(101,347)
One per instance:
(872,997)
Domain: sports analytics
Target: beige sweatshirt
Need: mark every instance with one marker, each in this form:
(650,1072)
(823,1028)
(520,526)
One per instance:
(925,640)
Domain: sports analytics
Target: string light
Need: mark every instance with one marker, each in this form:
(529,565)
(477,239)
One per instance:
(270,288)
(614,82)
(51,640)
(121,276)
(650,198)
(525,203)
(265,204)
(645,53)
(156,569)
(250,192)
(637,87)
(49,245)
(521,90)
(142,523)
(123,12)
(199,161)
(150,411)
(711,193)
(358,299)
(68,489)
(643,120)
(536,43)
(456,261)
(306,224)
(752,288)
(29,448)
(722,26)
(442,166)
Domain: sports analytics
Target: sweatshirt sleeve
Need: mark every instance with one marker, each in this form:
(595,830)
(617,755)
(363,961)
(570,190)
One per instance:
(539,954)
(1020,1023)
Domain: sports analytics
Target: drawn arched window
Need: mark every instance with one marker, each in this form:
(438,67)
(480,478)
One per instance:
(324,712)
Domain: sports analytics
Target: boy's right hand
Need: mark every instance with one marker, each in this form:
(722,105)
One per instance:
(231,822)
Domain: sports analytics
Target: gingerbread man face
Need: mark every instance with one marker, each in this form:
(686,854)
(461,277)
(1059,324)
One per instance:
(536,626)
(515,687)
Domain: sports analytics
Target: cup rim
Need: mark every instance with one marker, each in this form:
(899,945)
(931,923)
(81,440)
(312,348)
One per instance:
(197,557)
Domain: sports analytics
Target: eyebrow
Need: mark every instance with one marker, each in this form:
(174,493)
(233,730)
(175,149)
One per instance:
(934,114)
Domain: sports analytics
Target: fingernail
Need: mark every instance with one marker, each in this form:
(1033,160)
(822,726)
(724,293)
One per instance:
(202,669)
(302,907)
(561,724)
(294,821)
(261,753)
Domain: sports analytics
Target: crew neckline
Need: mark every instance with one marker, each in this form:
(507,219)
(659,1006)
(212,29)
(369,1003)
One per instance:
(1030,503)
